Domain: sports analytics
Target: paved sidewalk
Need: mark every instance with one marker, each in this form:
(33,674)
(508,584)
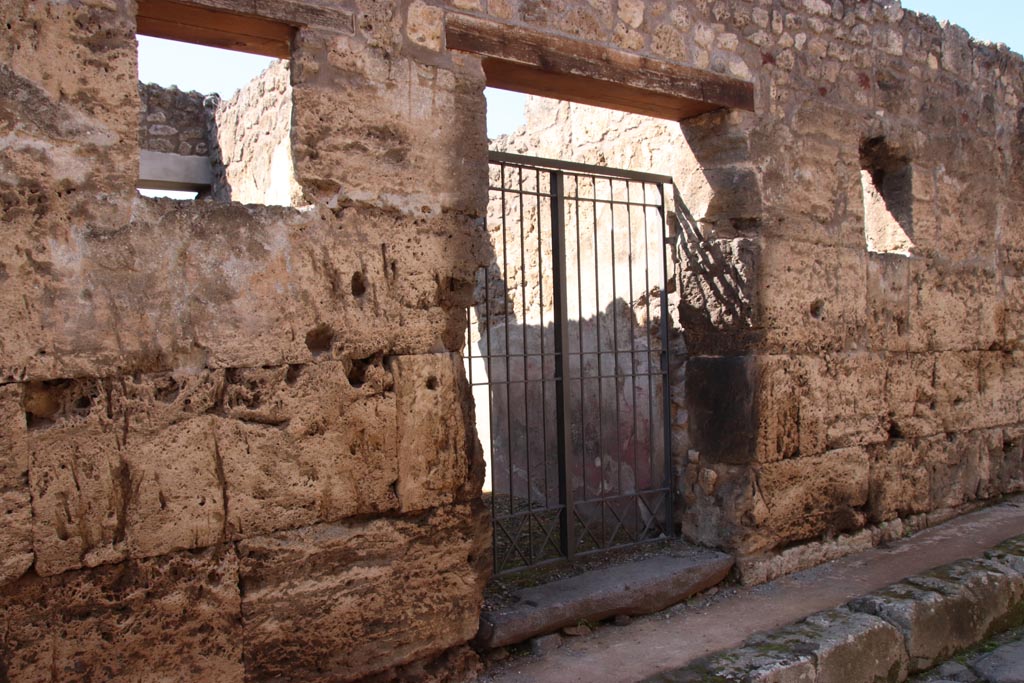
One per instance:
(676,637)
(1001,660)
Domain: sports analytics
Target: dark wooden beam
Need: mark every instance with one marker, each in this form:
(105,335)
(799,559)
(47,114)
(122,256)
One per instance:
(519,59)
(215,28)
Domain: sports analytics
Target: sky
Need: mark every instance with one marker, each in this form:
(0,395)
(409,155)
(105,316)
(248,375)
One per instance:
(210,70)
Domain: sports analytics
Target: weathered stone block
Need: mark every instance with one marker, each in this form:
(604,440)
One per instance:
(805,497)
(976,390)
(306,444)
(121,466)
(343,601)
(812,297)
(891,295)
(848,647)
(721,403)
(717,290)
(176,499)
(161,619)
(949,609)
(959,223)
(354,140)
(202,284)
(957,308)
(16,554)
(960,466)
(437,447)
(900,481)
(79,121)
(13,451)
(15,500)
(80,481)
(808,405)
(910,395)
(1007,468)
(791,412)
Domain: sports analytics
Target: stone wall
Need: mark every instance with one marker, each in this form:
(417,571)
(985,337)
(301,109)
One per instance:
(237,439)
(220,455)
(173,121)
(840,388)
(253,157)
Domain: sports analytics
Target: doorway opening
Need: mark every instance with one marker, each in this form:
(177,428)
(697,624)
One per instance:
(567,357)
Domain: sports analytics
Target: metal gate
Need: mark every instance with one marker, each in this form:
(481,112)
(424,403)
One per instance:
(566,355)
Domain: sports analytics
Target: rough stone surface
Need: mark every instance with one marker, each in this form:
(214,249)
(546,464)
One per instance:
(947,610)
(636,588)
(334,601)
(829,647)
(173,121)
(1003,665)
(15,498)
(113,623)
(251,143)
(910,627)
(437,451)
(198,376)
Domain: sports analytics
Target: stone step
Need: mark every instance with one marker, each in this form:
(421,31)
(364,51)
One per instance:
(641,587)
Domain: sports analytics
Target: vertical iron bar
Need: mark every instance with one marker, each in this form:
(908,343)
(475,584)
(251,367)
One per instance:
(579,334)
(562,364)
(526,365)
(666,400)
(617,452)
(489,354)
(632,362)
(540,327)
(650,343)
(507,302)
(600,368)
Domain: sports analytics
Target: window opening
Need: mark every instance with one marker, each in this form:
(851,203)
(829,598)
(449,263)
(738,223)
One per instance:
(214,124)
(886,180)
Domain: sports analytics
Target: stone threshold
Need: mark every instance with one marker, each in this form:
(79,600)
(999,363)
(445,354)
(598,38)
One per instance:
(631,589)
(673,640)
(906,628)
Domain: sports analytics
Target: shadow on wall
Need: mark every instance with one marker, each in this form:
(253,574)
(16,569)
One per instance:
(718,208)
(614,400)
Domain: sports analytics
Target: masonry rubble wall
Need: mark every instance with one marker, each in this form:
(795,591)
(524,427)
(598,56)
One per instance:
(238,441)
(172,121)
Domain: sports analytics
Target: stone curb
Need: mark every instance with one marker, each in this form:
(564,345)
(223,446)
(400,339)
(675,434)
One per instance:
(883,637)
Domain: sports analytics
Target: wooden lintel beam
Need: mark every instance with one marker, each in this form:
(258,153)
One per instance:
(523,60)
(215,28)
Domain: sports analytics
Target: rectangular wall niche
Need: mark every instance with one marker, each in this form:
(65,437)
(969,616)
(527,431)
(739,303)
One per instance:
(887,183)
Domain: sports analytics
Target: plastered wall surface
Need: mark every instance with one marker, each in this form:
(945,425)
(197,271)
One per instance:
(237,440)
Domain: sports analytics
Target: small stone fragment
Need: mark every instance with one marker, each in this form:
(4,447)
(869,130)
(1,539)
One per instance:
(577,630)
(541,645)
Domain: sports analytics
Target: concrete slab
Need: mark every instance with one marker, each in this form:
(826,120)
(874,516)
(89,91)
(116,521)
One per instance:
(636,588)
(167,171)
(684,634)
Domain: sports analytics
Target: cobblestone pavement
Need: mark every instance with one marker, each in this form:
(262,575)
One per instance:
(1000,660)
